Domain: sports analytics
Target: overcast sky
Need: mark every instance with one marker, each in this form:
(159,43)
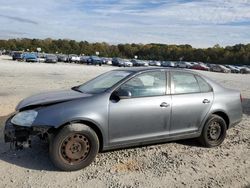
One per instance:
(199,23)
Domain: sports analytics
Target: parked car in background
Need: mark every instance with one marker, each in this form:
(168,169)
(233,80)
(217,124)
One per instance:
(17,56)
(168,64)
(62,58)
(106,61)
(30,57)
(220,68)
(184,64)
(233,69)
(200,66)
(244,70)
(139,63)
(84,59)
(94,60)
(73,58)
(116,60)
(41,57)
(51,58)
(124,108)
(154,63)
(125,63)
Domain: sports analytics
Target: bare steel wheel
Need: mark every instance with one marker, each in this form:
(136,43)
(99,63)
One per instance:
(214,131)
(74,147)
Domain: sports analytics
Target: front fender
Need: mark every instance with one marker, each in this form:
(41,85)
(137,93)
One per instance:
(93,110)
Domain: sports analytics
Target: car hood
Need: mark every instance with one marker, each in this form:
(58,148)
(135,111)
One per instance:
(50,98)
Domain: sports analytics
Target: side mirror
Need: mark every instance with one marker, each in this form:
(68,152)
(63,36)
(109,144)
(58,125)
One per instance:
(124,94)
(120,94)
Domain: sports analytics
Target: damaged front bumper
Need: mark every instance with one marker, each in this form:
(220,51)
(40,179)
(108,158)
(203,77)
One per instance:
(19,136)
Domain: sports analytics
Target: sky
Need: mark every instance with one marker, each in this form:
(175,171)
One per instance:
(201,23)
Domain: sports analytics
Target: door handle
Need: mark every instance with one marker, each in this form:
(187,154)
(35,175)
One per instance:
(164,105)
(206,101)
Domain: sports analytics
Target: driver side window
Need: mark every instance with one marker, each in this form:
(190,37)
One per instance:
(146,84)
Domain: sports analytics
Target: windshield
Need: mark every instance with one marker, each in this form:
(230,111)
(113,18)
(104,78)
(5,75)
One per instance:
(103,82)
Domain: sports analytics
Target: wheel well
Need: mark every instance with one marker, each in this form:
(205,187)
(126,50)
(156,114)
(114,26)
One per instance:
(91,125)
(224,116)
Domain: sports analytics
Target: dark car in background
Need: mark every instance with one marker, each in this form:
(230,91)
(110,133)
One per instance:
(94,60)
(116,60)
(121,62)
(139,63)
(84,59)
(62,58)
(51,58)
(233,69)
(17,56)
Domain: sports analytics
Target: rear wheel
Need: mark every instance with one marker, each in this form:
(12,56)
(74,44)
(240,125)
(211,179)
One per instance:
(74,147)
(214,131)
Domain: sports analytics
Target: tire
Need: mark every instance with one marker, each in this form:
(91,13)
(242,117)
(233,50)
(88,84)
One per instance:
(74,147)
(214,132)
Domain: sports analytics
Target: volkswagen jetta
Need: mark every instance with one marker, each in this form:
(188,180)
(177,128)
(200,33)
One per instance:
(123,108)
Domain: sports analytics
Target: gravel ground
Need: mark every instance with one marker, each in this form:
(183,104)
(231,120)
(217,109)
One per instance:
(173,164)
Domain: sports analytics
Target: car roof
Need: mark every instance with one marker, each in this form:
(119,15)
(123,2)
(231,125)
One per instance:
(143,69)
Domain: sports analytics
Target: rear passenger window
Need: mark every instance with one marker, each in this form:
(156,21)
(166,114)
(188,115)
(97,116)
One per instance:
(203,85)
(184,83)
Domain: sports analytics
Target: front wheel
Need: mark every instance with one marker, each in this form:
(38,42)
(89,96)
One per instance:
(214,131)
(74,147)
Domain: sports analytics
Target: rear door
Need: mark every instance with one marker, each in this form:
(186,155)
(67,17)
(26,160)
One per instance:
(191,100)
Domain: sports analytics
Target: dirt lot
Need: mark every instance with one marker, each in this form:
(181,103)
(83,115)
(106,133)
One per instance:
(174,164)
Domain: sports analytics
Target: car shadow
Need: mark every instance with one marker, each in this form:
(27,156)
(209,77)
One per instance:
(37,157)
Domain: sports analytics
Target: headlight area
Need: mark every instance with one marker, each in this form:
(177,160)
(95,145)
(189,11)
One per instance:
(18,130)
(24,118)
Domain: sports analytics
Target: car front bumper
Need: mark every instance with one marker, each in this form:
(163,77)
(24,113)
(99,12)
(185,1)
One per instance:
(14,133)
(31,60)
(20,136)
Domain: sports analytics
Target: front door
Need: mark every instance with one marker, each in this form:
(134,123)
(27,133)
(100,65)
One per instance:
(143,116)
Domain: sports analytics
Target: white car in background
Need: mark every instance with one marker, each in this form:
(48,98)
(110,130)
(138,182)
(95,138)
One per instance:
(41,57)
(184,64)
(220,68)
(154,63)
(127,63)
(74,58)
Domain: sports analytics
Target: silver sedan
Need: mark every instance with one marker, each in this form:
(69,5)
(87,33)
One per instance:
(123,108)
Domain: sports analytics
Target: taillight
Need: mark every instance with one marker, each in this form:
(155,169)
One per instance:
(241,98)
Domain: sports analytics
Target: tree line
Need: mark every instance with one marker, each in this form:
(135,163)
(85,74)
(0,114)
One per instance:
(237,54)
